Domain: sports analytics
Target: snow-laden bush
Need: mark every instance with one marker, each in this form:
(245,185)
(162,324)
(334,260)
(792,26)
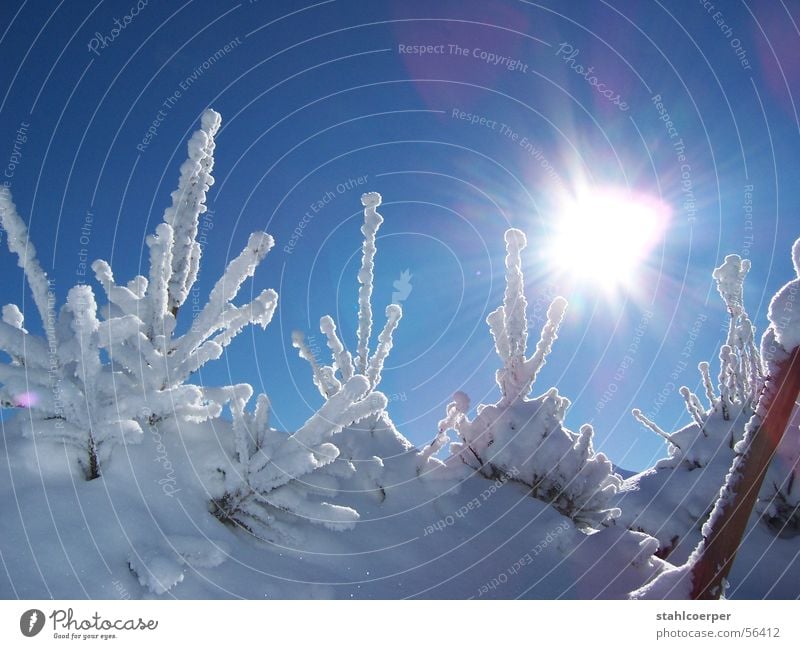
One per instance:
(92,400)
(274,481)
(672,500)
(68,392)
(523,439)
(155,360)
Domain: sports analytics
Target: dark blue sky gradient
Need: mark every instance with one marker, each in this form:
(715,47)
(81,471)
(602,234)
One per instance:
(314,97)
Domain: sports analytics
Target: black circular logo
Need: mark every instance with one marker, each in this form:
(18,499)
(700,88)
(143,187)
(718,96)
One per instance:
(31,622)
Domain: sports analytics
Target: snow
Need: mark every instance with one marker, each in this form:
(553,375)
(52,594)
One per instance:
(191,504)
(672,583)
(128,514)
(784,315)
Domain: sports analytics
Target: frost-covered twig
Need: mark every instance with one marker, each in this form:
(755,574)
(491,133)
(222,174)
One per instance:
(188,203)
(372,221)
(344,364)
(508,326)
(20,245)
(639,416)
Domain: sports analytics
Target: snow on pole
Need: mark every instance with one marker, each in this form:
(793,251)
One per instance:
(20,245)
(372,221)
(722,533)
(188,203)
(393,315)
(341,357)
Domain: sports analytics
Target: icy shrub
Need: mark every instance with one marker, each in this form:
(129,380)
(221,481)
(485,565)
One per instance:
(329,378)
(523,439)
(90,400)
(275,480)
(672,500)
(765,385)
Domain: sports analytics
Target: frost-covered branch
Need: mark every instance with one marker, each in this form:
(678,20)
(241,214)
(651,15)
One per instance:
(329,378)
(508,326)
(20,245)
(150,354)
(188,203)
(372,221)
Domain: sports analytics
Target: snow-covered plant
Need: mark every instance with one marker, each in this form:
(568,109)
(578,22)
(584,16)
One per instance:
(523,439)
(704,573)
(274,480)
(739,384)
(155,360)
(329,378)
(672,500)
(68,392)
(91,399)
(59,378)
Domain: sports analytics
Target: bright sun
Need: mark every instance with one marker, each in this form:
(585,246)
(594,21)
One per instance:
(603,236)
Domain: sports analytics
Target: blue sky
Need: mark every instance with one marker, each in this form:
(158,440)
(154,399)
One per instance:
(468,117)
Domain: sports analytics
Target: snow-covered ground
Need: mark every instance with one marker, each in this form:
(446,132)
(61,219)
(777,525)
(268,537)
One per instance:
(447,533)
